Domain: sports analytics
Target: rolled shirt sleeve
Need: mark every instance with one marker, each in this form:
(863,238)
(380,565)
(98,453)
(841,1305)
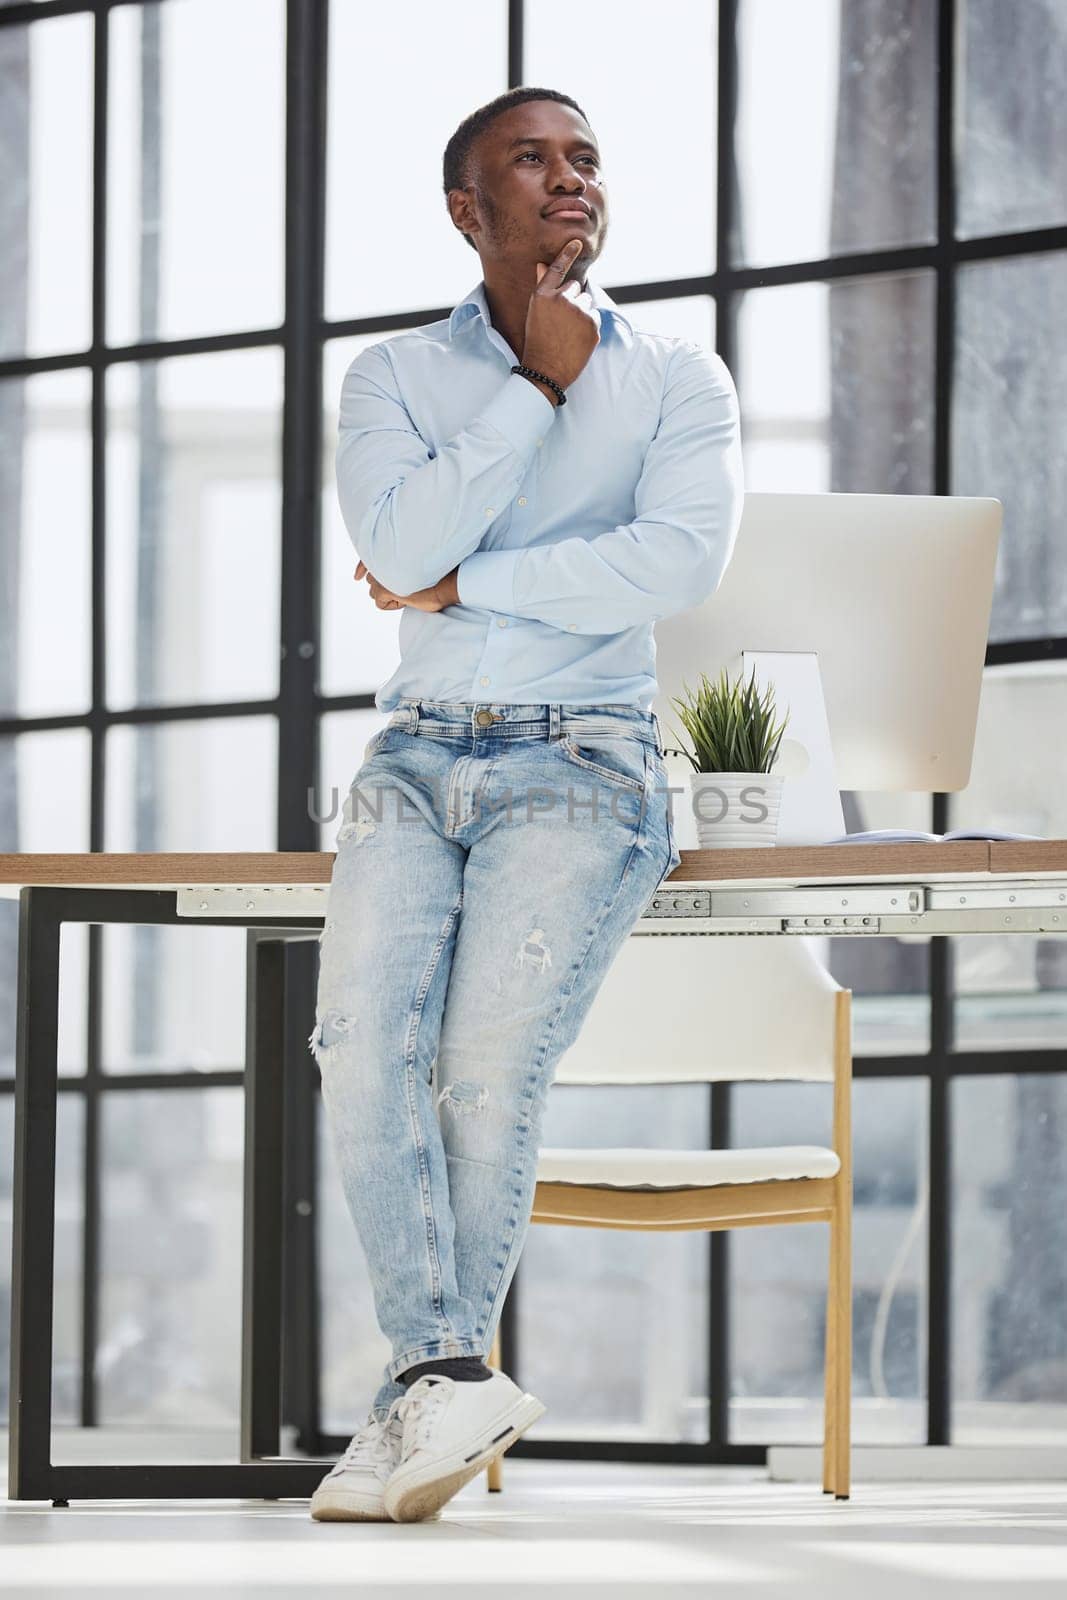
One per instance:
(413,514)
(688,504)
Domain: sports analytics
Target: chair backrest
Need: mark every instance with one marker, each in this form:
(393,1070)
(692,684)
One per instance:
(680,1008)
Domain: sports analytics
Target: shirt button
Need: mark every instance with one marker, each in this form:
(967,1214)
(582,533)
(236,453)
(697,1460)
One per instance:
(489,511)
(483,680)
(540,442)
(522,499)
(571,626)
(501,622)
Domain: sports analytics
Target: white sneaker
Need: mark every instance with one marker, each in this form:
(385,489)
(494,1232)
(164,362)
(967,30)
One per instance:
(352,1490)
(451,1432)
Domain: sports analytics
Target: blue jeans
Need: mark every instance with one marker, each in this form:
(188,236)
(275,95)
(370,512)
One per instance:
(487,874)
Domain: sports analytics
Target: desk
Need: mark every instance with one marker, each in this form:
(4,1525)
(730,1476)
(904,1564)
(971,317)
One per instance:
(968,886)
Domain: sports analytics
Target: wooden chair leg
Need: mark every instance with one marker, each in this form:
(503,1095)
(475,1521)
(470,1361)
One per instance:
(830,1359)
(841,1245)
(838,1395)
(493,1475)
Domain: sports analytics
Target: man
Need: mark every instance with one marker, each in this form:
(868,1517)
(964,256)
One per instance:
(531,525)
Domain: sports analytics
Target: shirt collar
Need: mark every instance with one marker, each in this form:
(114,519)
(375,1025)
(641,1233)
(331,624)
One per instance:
(475,304)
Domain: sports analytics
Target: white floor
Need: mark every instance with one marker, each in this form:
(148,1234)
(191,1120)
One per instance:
(563,1528)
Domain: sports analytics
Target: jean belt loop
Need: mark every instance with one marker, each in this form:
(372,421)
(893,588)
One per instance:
(413,717)
(553,721)
(659,735)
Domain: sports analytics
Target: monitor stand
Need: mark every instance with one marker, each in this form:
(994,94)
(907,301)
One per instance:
(811,811)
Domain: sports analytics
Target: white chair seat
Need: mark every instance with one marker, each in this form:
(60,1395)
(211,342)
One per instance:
(684,1169)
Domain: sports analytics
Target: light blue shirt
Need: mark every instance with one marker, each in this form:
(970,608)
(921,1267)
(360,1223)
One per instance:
(574,528)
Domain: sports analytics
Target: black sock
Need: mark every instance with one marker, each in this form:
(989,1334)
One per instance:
(467,1369)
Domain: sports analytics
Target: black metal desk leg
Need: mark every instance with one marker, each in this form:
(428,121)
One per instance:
(34,1196)
(261,1298)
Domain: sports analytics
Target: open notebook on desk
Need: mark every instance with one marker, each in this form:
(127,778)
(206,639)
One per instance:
(915,836)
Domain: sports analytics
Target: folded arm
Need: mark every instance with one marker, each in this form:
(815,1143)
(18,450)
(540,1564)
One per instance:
(688,504)
(411,513)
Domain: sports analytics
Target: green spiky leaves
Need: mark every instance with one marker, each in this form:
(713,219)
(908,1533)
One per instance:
(730,725)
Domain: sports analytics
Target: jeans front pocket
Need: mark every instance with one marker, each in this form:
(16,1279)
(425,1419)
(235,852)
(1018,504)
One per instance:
(398,723)
(614,759)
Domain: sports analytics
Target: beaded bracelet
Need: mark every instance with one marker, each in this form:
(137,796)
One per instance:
(529,372)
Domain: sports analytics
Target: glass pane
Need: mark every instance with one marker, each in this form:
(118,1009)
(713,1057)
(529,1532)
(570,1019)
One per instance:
(1010,401)
(194,528)
(45,780)
(359,641)
(1012,988)
(1011,100)
(836,382)
(653,68)
(687,316)
(779,1274)
(173,998)
(73,998)
(46,156)
(836,127)
(628,1360)
(67,1278)
(199,786)
(344,737)
(46,510)
(390,243)
(170,1281)
(195,187)
(1009,1259)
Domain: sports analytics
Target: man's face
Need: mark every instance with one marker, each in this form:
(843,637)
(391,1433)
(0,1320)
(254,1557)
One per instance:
(537,155)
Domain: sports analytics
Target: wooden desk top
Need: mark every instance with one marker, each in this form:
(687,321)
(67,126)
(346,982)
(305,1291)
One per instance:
(787,863)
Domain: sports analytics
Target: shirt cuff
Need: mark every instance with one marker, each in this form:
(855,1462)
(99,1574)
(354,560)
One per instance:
(521,412)
(486,579)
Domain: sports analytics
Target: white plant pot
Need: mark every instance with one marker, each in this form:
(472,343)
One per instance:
(735,810)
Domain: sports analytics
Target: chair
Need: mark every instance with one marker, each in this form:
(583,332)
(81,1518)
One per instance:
(682,1009)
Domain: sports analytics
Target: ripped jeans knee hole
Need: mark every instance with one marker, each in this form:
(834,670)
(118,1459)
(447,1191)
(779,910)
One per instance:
(329,1031)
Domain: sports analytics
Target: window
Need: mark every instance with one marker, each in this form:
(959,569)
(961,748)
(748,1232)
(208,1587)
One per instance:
(188,663)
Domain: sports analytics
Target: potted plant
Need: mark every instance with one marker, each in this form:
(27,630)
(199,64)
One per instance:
(733,792)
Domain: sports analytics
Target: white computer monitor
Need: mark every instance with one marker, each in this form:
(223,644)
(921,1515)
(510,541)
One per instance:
(893,593)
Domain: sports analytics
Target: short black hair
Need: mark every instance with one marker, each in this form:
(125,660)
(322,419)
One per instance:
(457,163)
